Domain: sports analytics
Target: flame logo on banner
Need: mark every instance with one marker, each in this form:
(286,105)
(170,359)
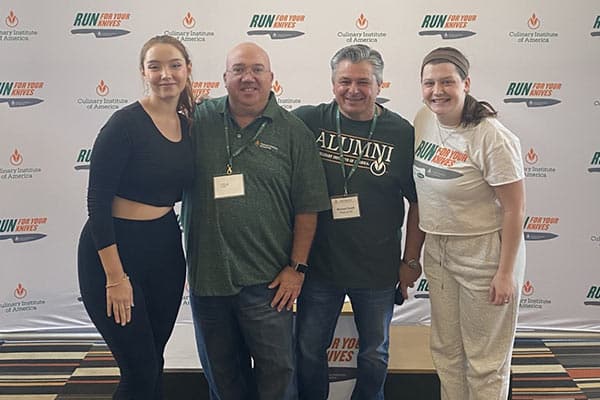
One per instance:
(527,289)
(277,88)
(531,156)
(533,22)
(362,22)
(16,158)
(102,88)
(20,291)
(189,21)
(12,20)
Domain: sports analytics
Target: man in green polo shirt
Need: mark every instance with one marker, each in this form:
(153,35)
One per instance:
(250,220)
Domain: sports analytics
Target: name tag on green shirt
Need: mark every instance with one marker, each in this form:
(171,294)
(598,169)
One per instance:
(228,186)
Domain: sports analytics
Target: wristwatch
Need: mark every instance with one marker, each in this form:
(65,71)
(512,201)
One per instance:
(300,267)
(413,264)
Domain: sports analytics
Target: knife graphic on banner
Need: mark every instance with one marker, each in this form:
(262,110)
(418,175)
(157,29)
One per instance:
(20,102)
(533,102)
(448,34)
(282,34)
(22,237)
(539,235)
(83,166)
(101,33)
(597,33)
(437,173)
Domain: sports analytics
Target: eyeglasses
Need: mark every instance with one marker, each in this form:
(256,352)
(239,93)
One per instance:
(255,70)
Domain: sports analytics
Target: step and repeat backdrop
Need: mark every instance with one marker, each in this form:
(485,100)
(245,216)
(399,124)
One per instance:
(66,66)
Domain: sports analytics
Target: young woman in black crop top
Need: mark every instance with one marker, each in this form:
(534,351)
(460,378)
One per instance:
(130,259)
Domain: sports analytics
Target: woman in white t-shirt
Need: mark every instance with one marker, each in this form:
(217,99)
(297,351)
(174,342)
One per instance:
(469,176)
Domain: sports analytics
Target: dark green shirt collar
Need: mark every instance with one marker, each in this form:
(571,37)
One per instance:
(270,111)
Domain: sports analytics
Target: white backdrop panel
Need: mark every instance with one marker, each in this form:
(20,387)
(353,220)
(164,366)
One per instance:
(81,79)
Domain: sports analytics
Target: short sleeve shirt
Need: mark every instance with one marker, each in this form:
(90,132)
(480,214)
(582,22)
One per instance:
(362,252)
(455,171)
(243,241)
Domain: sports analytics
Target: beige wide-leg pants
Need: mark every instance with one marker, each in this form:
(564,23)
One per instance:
(471,339)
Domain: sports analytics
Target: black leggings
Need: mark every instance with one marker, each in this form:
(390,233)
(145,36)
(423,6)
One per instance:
(152,256)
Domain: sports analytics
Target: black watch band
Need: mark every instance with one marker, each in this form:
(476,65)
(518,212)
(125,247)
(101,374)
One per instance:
(300,267)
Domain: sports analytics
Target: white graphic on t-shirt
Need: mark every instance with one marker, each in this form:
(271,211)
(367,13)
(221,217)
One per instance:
(378,167)
(376,155)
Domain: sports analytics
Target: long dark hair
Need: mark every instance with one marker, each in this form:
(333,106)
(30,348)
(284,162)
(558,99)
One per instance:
(185,105)
(474,111)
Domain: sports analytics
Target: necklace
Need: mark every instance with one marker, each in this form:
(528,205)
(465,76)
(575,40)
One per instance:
(447,136)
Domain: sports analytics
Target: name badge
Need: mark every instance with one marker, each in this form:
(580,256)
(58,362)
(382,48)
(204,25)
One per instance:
(228,186)
(344,207)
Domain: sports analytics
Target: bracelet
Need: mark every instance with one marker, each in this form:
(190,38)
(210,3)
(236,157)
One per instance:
(125,278)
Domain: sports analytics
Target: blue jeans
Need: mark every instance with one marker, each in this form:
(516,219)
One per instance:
(201,347)
(231,327)
(319,307)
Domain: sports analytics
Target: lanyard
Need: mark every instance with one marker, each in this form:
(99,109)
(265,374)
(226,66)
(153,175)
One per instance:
(230,155)
(362,150)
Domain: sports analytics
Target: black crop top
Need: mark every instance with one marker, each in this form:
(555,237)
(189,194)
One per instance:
(133,160)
